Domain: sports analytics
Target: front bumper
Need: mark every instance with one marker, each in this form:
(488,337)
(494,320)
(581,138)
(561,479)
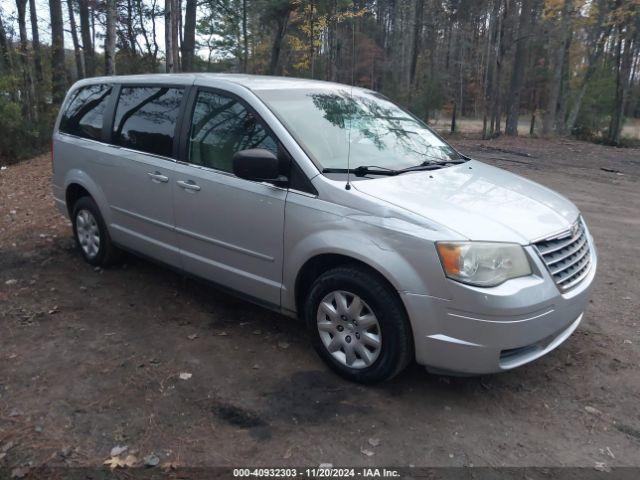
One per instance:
(487,330)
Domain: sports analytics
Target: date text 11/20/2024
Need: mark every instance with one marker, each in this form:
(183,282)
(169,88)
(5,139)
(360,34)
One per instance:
(316,472)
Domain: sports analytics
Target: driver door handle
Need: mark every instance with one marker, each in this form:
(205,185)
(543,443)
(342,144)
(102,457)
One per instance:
(188,185)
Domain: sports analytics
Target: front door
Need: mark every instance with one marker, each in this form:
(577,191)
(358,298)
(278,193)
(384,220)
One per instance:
(230,230)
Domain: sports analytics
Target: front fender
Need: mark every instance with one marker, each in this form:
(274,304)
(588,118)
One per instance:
(398,250)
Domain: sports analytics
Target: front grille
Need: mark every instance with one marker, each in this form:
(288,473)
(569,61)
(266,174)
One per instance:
(567,256)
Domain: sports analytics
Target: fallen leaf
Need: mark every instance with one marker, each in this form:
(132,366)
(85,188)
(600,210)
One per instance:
(19,472)
(374,442)
(118,450)
(185,376)
(592,410)
(366,452)
(114,462)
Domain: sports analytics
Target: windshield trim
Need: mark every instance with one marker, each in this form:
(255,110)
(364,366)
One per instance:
(305,149)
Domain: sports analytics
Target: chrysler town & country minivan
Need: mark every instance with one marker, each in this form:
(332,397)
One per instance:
(329,203)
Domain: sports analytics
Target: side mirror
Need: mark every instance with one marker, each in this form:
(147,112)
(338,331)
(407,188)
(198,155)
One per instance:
(257,164)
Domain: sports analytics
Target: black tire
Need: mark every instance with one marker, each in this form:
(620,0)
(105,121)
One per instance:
(107,253)
(396,350)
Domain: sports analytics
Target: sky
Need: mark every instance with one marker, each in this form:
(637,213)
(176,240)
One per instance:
(10,19)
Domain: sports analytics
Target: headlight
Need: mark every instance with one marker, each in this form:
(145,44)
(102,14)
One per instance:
(483,264)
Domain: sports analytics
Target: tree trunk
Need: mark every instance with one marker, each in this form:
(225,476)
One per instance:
(154,36)
(332,43)
(168,47)
(131,34)
(25,59)
(189,43)
(312,47)
(563,100)
(85,35)
(5,50)
(624,55)
(74,38)
(496,110)
(35,43)
(176,16)
(245,38)
(519,62)
(596,47)
(58,70)
(110,39)
(282,24)
(490,69)
(415,44)
(549,120)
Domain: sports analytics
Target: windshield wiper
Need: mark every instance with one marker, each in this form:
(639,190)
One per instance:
(363,170)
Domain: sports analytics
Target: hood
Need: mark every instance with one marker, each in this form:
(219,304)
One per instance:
(478,201)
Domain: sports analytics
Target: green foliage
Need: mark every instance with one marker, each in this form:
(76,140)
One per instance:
(597,105)
(431,96)
(21,138)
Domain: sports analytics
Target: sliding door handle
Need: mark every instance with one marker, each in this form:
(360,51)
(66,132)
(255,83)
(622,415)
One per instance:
(188,185)
(158,177)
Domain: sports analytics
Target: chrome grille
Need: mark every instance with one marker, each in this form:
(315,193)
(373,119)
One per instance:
(567,256)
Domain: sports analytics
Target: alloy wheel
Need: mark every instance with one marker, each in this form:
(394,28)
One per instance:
(88,233)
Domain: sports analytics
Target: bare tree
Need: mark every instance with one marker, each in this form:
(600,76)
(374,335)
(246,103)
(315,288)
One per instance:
(173,30)
(563,29)
(110,39)
(35,43)
(189,43)
(176,17)
(58,70)
(5,49)
(279,15)
(76,45)
(627,44)
(519,63)
(25,57)
(87,41)
(168,37)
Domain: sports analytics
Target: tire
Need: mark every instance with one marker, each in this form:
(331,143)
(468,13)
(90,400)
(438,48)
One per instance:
(395,346)
(91,234)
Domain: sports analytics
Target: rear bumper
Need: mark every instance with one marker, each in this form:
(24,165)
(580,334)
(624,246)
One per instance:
(481,331)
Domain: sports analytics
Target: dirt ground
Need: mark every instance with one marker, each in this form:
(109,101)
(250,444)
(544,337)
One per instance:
(91,359)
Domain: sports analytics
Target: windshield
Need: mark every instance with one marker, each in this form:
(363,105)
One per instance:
(331,124)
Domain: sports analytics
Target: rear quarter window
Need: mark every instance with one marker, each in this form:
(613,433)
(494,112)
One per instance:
(84,115)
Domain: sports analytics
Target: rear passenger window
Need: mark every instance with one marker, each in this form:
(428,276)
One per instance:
(83,117)
(146,118)
(222,126)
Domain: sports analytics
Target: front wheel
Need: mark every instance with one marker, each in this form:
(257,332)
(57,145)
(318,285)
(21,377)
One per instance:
(358,325)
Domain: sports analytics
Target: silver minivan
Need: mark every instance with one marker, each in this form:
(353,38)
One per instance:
(329,203)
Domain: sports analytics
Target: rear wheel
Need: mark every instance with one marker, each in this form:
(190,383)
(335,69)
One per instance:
(358,325)
(91,234)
